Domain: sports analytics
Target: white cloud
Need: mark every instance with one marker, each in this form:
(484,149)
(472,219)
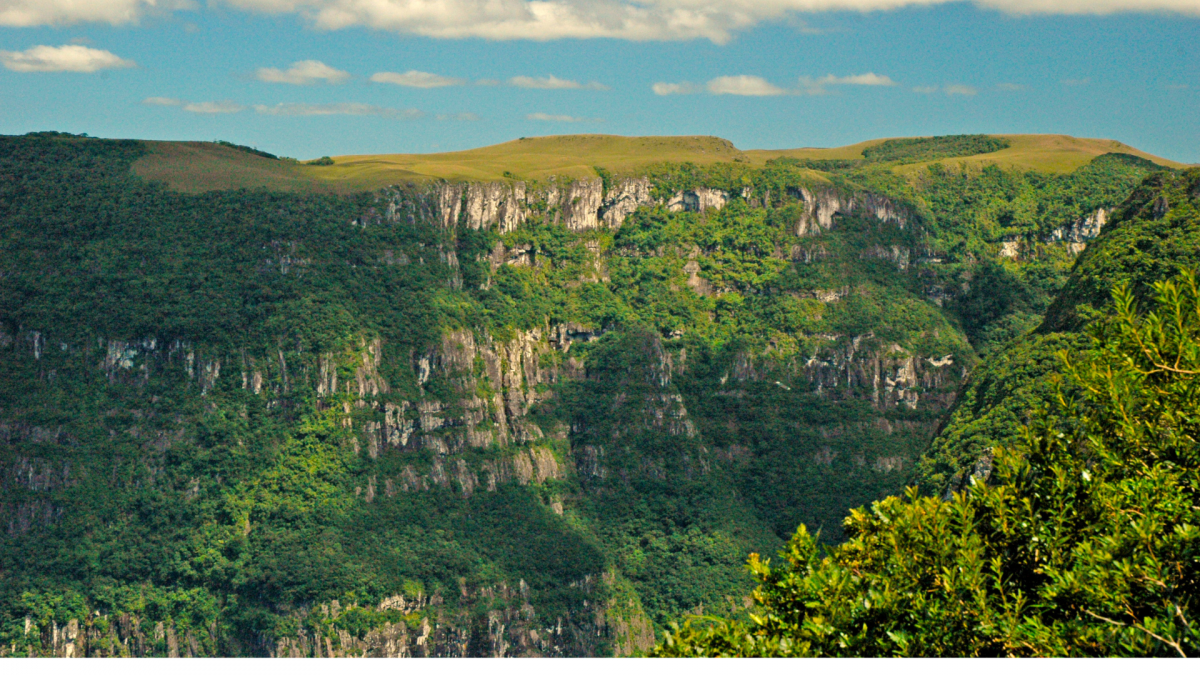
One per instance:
(743,85)
(751,85)
(214,107)
(543,117)
(541,20)
(669,88)
(24,13)
(201,108)
(1010,86)
(552,82)
(303,72)
(67,58)
(816,87)
(459,117)
(926,90)
(360,109)
(864,80)
(416,78)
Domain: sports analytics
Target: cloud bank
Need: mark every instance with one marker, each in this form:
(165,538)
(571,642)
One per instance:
(639,20)
(67,58)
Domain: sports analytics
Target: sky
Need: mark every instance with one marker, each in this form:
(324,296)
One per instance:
(307,78)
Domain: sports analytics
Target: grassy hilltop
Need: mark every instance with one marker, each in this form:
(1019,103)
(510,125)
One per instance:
(200,167)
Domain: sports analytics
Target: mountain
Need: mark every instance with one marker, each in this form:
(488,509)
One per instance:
(539,398)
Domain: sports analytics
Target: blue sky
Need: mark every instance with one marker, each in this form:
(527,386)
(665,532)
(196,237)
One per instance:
(306,78)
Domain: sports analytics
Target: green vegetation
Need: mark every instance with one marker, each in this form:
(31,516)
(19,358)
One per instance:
(909,150)
(226,410)
(245,148)
(1083,543)
(1151,237)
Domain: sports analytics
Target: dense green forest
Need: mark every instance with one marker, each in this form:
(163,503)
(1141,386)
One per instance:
(253,422)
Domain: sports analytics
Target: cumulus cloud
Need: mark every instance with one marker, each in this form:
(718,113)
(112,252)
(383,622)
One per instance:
(416,78)
(303,72)
(544,117)
(552,82)
(358,109)
(201,108)
(24,13)
(743,85)
(715,20)
(67,58)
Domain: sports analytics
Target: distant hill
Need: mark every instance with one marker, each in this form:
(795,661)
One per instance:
(199,167)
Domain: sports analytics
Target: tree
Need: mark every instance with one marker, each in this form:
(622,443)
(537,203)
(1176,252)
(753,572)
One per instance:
(1083,540)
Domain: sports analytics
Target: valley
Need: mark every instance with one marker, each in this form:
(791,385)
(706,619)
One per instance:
(537,399)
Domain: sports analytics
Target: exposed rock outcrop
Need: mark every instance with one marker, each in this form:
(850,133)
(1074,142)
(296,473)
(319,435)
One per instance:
(625,198)
(1081,231)
(698,200)
(822,204)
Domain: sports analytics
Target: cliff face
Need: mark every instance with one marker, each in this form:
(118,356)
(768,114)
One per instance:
(822,204)
(577,205)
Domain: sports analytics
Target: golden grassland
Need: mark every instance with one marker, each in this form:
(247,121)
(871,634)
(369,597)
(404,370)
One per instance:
(200,167)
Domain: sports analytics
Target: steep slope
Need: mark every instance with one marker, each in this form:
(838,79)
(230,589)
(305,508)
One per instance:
(1152,236)
(504,418)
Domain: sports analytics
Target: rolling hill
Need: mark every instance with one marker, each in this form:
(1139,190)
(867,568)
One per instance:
(200,167)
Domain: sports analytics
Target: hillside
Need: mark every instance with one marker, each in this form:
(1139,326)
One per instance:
(463,418)
(1152,236)
(196,167)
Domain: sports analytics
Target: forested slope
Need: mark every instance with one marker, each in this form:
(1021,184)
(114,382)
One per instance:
(1074,532)
(1151,237)
(499,418)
